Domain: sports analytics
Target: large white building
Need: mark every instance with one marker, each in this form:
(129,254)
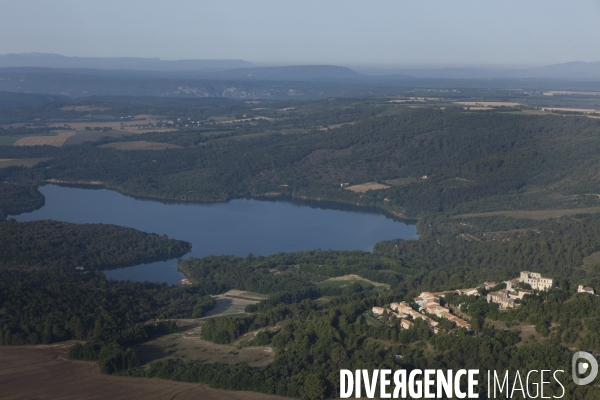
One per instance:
(536,280)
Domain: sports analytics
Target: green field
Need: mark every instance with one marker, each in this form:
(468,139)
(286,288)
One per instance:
(21,162)
(344,281)
(9,140)
(213,133)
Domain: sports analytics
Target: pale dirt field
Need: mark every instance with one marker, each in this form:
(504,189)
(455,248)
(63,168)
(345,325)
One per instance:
(193,348)
(487,103)
(45,372)
(57,140)
(242,294)
(363,187)
(20,162)
(538,215)
(141,145)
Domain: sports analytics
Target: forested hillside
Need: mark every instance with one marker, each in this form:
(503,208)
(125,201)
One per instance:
(54,244)
(479,161)
(50,306)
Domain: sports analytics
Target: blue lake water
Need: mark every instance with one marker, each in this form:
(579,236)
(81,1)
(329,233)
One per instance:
(238,227)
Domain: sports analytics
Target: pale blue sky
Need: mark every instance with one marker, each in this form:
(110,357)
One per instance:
(464,32)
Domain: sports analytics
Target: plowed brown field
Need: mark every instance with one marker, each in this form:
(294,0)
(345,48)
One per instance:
(45,372)
(57,140)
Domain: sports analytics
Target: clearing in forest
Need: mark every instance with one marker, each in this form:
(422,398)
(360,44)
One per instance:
(193,348)
(591,260)
(364,187)
(347,280)
(233,303)
(139,145)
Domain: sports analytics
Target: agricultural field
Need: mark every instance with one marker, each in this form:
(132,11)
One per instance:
(56,140)
(44,372)
(21,162)
(139,145)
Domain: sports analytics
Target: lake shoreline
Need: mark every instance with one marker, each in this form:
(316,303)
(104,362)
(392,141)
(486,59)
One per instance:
(302,200)
(235,227)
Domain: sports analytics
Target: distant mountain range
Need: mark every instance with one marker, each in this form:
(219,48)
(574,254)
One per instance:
(56,75)
(49,60)
(244,70)
(572,70)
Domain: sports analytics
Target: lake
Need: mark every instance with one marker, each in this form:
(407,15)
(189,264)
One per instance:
(238,227)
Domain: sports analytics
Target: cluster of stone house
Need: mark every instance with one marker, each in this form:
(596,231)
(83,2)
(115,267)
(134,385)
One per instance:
(506,298)
(428,302)
(402,311)
(431,303)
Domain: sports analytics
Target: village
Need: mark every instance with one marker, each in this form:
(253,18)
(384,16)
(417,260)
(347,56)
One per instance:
(434,305)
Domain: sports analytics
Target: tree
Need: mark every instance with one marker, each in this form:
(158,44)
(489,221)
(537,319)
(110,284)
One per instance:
(314,388)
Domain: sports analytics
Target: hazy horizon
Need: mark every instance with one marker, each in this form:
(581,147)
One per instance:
(382,66)
(387,34)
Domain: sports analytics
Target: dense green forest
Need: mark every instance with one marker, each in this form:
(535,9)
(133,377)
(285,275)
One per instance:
(50,306)
(15,199)
(54,244)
